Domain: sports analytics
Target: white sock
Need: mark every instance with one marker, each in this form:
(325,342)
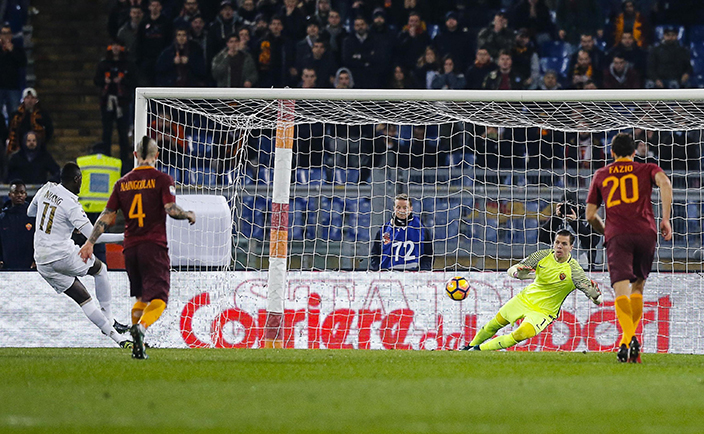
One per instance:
(90,308)
(103,292)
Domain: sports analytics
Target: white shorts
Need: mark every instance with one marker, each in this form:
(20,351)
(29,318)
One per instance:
(62,273)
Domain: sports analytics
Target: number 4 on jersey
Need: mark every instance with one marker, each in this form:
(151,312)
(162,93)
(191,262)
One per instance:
(136,210)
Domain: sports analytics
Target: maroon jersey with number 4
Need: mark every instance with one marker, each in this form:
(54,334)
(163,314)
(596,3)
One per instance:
(625,187)
(141,195)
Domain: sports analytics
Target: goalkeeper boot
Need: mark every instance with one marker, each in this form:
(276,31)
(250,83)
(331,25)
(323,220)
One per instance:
(120,328)
(126,344)
(623,353)
(138,342)
(634,351)
(470,348)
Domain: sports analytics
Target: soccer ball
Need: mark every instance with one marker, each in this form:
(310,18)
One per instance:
(457,288)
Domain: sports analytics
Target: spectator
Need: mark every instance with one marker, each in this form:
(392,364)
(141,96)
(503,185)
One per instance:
(632,21)
(12,60)
(497,36)
(343,79)
(170,137)
(534,15)
(402,243)
(578,17)
(246,42)
(427,67)
(33,162)
(550,81)
(261,27)
(583,71)
(384,41)
(335,34)
(233,67)
(597,56)
(359,55)
(29,116)
(322,62)
(584,151)
(668,63)
(293,19)
(629,50)
(270,55)
(308,78)
(570,212)
(449,78)
(454,41)
(224,25)
(16,230)
(155,33)
(119,14)
(189,11)
(482,66)
(504,77)
(127,35)
(116,77)
(643,152)
(247,13)
(181,64)
(401,11)
(621,75)
(525,60)
(199,35)
(412,41)
(304,46)
(400,79)
(322,13)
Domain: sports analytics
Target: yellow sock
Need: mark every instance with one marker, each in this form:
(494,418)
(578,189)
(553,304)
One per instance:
(137,311)
(636,308)
(152,312)
(625,318)
(499,343)
(488,330)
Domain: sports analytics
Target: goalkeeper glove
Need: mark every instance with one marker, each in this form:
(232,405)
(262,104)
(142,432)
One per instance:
(595,288)
(523,272)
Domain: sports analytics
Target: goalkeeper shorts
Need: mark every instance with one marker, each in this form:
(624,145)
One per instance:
(516,309)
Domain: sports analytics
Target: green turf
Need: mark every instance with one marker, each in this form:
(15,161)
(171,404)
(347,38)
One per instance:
(319,391)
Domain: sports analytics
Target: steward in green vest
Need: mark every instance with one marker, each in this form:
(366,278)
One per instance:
(100,173)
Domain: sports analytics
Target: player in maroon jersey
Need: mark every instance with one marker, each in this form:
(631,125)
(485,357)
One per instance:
(630,234)
(145,196)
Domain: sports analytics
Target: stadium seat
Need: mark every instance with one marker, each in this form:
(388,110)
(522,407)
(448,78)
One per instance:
(696,48)
(433,30)
(313,176)
(297,217)
(331,218)
(200,144)
(265,176)
(697,65)
(172,172)
(265,155)
(203,177)
(557,49)
(359,219)
(345,176)
(696,34)
(559,64)
(251,223)
(405,134)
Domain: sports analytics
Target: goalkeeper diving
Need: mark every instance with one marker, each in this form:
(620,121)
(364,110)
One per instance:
(556,275)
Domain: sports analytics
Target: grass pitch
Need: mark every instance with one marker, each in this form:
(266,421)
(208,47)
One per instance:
(325,391)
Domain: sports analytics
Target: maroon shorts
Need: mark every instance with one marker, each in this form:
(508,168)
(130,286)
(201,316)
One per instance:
(630,256)
(148,268)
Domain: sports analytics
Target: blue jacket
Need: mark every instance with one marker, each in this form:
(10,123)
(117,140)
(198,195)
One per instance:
(399,247)
(16,237)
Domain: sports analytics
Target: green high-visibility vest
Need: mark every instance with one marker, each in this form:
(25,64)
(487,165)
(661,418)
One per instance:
(100,173)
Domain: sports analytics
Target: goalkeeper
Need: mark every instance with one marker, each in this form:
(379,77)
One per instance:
(556,275)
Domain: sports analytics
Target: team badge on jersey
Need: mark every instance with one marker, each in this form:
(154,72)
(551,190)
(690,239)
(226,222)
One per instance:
(172,190)
(28,226)
(563,276)
(387,237)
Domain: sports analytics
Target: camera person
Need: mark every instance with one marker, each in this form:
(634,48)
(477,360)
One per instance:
(570,213)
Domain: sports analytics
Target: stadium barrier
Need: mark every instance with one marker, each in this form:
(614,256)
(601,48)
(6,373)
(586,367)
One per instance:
(354,310)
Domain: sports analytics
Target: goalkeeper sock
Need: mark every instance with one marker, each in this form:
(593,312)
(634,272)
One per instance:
(152,312)
(625,318)
(499,343)
(137,311)
(103,292)
(487,331)
(90,308)
(636,309)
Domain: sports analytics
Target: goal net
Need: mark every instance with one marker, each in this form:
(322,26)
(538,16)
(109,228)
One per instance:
(310,177)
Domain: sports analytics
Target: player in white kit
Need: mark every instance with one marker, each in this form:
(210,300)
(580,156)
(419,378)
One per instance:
(58,213)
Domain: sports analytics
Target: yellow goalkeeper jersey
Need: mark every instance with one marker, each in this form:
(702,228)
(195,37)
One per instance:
(554,281)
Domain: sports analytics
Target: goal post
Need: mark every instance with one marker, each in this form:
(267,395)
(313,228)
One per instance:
(311,174)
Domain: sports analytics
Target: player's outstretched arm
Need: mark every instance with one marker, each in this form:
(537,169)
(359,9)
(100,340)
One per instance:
(178,213)
(106,219)
(594,219)
(521,271)
(589,287)
(663,182)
